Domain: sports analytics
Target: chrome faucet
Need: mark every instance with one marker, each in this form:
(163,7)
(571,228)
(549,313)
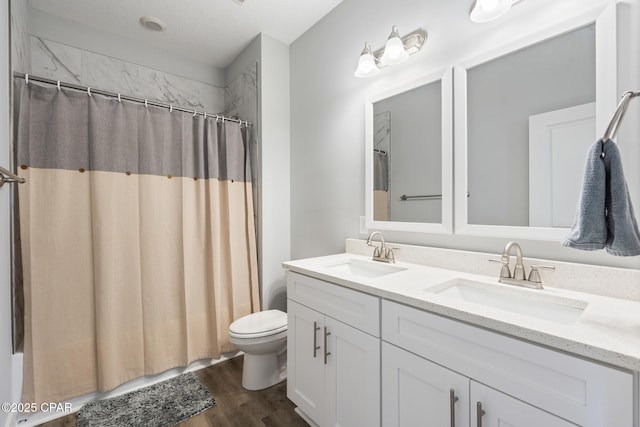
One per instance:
(518,278)
(380,253)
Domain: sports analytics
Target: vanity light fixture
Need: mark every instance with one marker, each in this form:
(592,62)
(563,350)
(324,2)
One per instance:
(395,51)
(488,10)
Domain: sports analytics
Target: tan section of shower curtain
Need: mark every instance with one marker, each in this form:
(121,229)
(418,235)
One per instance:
(129,275)
(380,205)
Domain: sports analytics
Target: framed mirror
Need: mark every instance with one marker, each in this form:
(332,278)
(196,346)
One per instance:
(408,156)
(525,115)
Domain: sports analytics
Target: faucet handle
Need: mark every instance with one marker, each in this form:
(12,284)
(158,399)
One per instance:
(505,273)
(389,256)
(377,252)
(534,275)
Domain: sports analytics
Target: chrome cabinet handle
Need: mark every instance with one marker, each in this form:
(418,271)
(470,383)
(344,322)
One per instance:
(326,353)
(479,413)
(452,402)
(316,347)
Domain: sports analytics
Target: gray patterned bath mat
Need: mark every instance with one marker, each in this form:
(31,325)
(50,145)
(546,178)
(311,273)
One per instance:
(160,405)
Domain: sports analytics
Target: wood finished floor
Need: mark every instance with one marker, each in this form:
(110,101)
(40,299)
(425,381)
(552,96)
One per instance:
(235,406)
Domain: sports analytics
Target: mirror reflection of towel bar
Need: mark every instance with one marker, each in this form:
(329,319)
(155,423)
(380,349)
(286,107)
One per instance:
(404,197)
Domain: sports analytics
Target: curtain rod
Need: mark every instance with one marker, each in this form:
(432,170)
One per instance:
(28,78)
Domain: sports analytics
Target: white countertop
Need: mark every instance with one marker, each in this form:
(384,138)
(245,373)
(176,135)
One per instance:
(608,330)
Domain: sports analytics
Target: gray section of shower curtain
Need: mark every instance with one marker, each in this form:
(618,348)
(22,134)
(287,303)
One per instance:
(17,288)
(143,143)
(380,171)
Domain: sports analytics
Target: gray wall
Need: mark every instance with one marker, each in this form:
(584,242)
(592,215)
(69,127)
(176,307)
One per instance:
(327,119)
(275,207)
(502,94)
(271,59)
(416,152)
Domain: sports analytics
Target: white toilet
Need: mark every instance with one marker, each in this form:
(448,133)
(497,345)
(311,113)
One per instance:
(262,336)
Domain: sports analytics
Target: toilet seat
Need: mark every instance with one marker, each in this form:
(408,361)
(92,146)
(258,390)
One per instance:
(259,324)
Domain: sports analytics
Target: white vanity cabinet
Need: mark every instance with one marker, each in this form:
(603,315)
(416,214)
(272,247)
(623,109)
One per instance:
(515,383)
(490,408)
(333,352)
(417,392)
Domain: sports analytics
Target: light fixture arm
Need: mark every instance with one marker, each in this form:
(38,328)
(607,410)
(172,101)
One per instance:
(412,42)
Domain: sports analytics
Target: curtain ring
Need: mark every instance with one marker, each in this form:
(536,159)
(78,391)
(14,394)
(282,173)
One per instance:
(217,118)
(26,78)
(239,123)
(205,115)
(146,104)
(119,98)
(89,91)
(58,84)
(170,108)
(195,112)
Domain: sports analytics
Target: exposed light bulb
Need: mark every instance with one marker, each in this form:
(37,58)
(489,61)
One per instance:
(394,51)
(366,64)
(488,10)
(489,5)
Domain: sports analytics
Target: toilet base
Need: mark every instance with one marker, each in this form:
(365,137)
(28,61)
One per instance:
(262,371)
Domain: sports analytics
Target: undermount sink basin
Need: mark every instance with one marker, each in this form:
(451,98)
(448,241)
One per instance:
(540,306)
(361,268)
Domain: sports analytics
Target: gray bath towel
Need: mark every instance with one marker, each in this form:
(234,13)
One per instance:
(605,217)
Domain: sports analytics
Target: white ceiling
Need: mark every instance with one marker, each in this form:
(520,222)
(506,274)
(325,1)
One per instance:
(209,31)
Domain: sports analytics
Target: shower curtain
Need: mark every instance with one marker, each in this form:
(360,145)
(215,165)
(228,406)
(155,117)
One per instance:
(137,235)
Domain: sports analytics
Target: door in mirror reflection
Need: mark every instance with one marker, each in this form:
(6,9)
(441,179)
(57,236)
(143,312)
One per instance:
(407,156)
(503,96)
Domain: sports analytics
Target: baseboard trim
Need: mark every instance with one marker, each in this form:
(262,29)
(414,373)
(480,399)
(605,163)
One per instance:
(305,417)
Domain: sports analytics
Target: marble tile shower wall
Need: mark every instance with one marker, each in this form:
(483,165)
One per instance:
(73,65)
(241,95)
(20,39)
(241,99)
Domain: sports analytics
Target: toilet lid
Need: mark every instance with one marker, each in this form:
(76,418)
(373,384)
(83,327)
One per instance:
(262,323)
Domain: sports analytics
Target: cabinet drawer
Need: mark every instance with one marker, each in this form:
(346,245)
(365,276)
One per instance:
(354,308)
(583,392)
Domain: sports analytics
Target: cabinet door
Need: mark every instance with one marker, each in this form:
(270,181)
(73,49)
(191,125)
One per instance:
(417,392)
(503,410)
(352,375)
(305,368)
